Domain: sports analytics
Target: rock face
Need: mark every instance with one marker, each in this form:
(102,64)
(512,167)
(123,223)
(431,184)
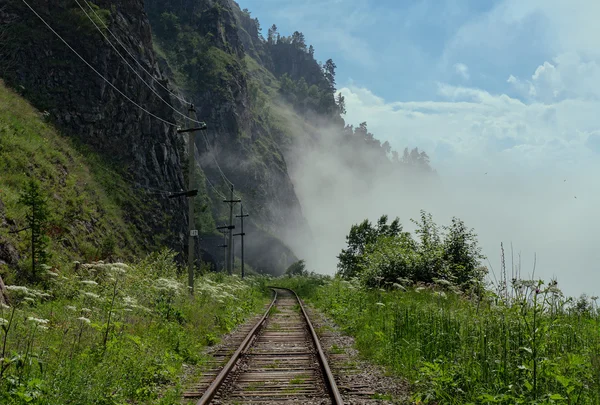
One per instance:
(248,150)
(8,253)
(137,146)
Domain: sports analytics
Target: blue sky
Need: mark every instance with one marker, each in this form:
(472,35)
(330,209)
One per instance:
(510,88)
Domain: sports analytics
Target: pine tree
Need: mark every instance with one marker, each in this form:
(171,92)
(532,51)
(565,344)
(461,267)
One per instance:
(37,218)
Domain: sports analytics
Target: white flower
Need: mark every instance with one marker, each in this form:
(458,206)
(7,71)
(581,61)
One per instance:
(51,273)
(4,306)
(89,282)
(121,266)
(84,319)
(38,320)
(129,301)
(18,288)
(71,308)
(381,304)
(86,310)
(91,295)
(3,321)
(28,299)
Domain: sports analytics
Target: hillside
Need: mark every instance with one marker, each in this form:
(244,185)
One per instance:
(84,197)
(125,87)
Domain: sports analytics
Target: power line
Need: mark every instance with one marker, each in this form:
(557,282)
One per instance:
(95,71)
(212,153)
(213,187)
(126,62)
(133,57)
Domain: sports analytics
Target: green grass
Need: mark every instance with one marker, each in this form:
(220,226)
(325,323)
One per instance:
(536,347)
(116,334)
(84,217)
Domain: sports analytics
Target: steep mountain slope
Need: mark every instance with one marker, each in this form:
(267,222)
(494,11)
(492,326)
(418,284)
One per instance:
(266,101)
(85,220)
(138,147)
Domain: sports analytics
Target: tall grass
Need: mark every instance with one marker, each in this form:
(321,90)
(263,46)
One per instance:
(115,334)
(527,346)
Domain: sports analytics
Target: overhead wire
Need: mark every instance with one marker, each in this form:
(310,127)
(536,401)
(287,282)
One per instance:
(96,71)
(126,62)
(134,58)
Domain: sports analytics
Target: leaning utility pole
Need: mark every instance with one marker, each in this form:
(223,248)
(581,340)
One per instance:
(192,232)
(242,234)
(231,201)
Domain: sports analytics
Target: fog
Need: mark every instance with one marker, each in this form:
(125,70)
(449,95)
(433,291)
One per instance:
(547,212)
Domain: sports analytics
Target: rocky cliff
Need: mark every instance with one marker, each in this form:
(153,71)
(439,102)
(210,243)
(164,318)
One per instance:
(141,149)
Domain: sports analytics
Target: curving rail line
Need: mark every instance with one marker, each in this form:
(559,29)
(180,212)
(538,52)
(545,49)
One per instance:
(279,361)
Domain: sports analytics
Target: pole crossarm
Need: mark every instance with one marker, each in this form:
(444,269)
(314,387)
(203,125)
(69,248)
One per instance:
(202,127)
(189,193)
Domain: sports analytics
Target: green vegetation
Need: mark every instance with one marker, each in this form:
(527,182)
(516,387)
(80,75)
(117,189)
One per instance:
(383,255)
(36,217)
(114,334)
(297,269)
(83,221)
(421,309)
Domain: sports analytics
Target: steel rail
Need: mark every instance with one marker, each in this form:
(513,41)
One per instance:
(330,383)
(329,380)
(212,390)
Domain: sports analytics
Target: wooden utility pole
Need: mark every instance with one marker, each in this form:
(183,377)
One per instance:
(231,201)
(192,231)
(242,234)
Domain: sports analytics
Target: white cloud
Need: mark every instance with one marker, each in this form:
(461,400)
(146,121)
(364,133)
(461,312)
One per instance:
(528,149)
(462,70)
(566,77)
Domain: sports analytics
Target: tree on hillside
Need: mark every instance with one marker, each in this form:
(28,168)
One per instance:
(271,34)
(36,217)
(298,40)
(311,51)
(341,103)
(329,73)
(258,27)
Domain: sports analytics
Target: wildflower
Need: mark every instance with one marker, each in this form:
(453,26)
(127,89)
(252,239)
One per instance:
(89,282)
(381,304)
(91,295)
(51,273)
(129,301)
(71,308)
(39,321)
(3,321)
(86,310)
(18,288)
(29,299)
(84,319)
(42,327)
(121,266)
(4,306)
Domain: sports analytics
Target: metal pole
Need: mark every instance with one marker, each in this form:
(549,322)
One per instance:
(242,234)
(230,242)
(242,231)
(191,227)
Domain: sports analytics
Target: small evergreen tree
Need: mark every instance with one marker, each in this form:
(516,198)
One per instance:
(37,218)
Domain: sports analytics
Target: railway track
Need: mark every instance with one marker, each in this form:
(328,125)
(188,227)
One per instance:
(279,361)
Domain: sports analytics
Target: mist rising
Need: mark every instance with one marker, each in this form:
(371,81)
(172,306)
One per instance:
(538,211)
